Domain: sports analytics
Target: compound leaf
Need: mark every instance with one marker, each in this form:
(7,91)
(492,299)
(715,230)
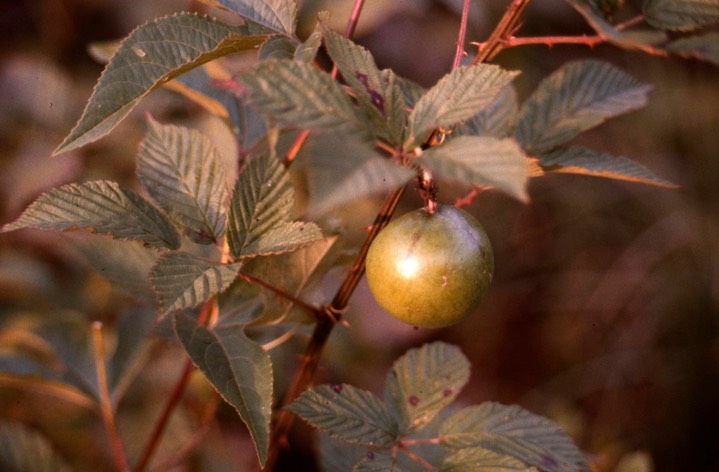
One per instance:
(239,369)
(347,413)
(704,47)
(100,207)
(181,170)
(580,160)
(424,381)
(150,56)
(515,432)
(459,95)
(297,94)
(261,209)
(182,280)
(680,15)
(480,161)
(278,15)
(577,97)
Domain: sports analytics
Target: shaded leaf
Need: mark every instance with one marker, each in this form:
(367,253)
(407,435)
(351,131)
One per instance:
(515,432)
(497,120)
(239,369)
(307,51)
(277,47)
(423,382)
(182,280)
(297,94)
(680,15)
(348,414)
(341,169)
(150,56)
(277,15)
(704,47)
(477,459)
(335,455)
(261,209)
(577,97)
(100,207)
(378,462)
(481,161)
(23,449)
(459,95)
(580,160)
(181,170)
(131,351)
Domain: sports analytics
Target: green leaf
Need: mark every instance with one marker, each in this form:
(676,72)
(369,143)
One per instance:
(481,161)
(384,463)
(348,414)
(150,56)
(277,47)
(515,432)
(278,15)
(182,280)
(343,168)
(680,15)
(100,207)
(497,120)
(580,160)
(335,455)
(459,95)
(132,350)
(423,382)
(307,51)
(260,212)
(300,95)
(23,449)
(577,97)
(377,93)
(478,459)
(704,47)
(181,170)
(239,369)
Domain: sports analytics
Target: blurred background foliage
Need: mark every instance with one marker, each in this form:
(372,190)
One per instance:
(603,314)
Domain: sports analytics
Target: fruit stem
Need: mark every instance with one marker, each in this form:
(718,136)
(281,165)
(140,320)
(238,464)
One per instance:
(428,189)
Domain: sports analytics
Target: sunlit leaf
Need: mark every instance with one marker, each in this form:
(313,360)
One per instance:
(150,56)
(459,95)
(100,207)
(181,170)
(298,94)
(481,161)
(515,432)
(423,382)
(680,15)
(347,413)
(277,15)
(24,449)
(704,47)
(577,97)
(478,459)
(239,369)
(261,211)
(182,280)
(580,160)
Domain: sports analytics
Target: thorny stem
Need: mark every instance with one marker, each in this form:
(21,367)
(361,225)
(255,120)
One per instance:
(461,36)
(312,310)
(108,415)
(507,25)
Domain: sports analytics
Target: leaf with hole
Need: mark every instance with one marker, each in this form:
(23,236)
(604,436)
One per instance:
(99,207)
(180,168)
(150,56)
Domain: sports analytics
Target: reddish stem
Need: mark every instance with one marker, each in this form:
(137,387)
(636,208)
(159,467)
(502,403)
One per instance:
(312,310)
(461,36)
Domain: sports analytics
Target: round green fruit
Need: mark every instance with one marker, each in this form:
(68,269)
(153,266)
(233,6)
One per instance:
(430,270)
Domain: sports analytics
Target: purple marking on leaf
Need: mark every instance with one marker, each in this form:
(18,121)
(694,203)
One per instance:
(413,400)
(548,461)
(370,455)
(337,388)
(375,96)
(447,392)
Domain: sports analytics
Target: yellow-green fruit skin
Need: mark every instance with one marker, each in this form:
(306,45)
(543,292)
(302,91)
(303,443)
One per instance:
(430,270)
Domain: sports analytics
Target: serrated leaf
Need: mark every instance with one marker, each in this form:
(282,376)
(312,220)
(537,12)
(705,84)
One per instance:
(481,161)
(497,120)
(704,47)
(580,160)
(423,382)
(680,15)
(277,47)
(335,455)
(307,51)
(459,95)
(577,97)
(515,432)
(347,413)
(182,280)
(277,15)
(300,95)
(477,459)
(23,449)
(181,170)
(341,169)
(377,93)
(239,369)
(261,209)
(100,207)
(150,56)
(383,463)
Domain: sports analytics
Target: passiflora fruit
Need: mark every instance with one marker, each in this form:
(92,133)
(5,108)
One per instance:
(430,270)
